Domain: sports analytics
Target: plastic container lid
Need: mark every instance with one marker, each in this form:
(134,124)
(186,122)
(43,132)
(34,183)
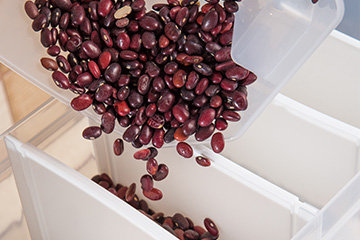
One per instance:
(271,38)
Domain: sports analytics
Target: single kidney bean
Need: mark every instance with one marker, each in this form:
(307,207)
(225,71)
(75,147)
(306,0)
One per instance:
(94,69)
(84,80)
(149,23)
(150,110)
(206,117)
(200,100)
(228,85)
(217,142)
(157,121)
(112,72)
(180,113)
(91,49)
(158,138)
(191,234)
(46,37)
(107,122)
(154,194)
(203,69)
(143,84)
(91,132)
(205,162)
(147,182)
(152,69)
(224,66)
(193,13)
(204,132)
(184,149)
(140,117)
(121,192)
(121,108)
(169,135)
(81,102)
(77,15)
(104,60)
(182,16)
(123,41)
(104,7)
(49,64)
(152,166)
(180,221)
(138,5)
(226,38)
(63,64)
(231,6)
(99,108)
(212,89)
(166,101)
(31,9)
(236,73)
(161,172)
(187,95)
(135,99)
(221,124)
(128,55)
(172,31)
(189,127)
(145,134)
(64,21)
(179,78)
(230,115)
(249,79)
(179,135)
(53,50)
(148,39)
(130,192)
(223,55)
(142,154)
(75,72)
(131,133)
(193,48)
(73,44)
(39,22)
(211,227)
(215,101)
(210,20)
(76,89)
(60,80)
(201,86)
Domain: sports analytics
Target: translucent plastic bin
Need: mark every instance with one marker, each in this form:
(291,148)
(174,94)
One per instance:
(60,201)
(273,38)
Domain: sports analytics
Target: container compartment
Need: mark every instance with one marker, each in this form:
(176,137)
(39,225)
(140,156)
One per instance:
(238,201)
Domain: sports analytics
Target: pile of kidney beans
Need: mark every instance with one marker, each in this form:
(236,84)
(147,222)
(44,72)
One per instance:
(180,226)
(164,74)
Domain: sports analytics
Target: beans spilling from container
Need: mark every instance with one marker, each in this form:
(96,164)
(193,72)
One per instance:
(180,226)
(164,75)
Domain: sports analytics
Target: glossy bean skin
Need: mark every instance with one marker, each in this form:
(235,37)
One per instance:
(184,149)
(146,182)
(161,173)
(31,9)
(81,102)
(131,133)
(60,80)
(154,194)
(49,64)
(91,132)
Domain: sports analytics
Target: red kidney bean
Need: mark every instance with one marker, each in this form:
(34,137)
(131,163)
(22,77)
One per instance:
(73,43)
(64,21)
(231,6)
(107,122)
(203,69)
(104,60)
(31,9)
(46,37)
(210,20)
(150,110)
(161,172)
(84,80)
(230,115)
(165,101)
(211,227)
(94,69)
(249,79)
(200,100)
(130,192)
(201,86)
(152,69)
(221,124)
(236,73)
(217,142)
(314,1)
(223,55)
(39,22)
(180,113)
(63,64)
(81,102)
(104,7)
(222,67)
(184,149)
(193,13)
(156,121)
(138,5)
(179,78)
(154,194)
(135,99)
(228,85)
(206,117)
(142,154)
(123,41)
(131,133)
(158,138)
(121,108)
(172,31)
(128,55)
(112,72)
(204,132)
(191,234)
(145,134)
(148,39)
(146,182)
(205,162)
(53,50)
(182,16)
(91,49)
(118,147)
(77,15)
(60,80)
(226,38)
(49,64)
(193,48)
(169,135)
(91,133)
(149,23)
(121,192)
(180,221)
(123,22)
(152,166)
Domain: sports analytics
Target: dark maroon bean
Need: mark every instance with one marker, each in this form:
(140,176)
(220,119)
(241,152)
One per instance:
(63,64)
(158,138)
(223,55)
(53,51)
(131,133)
(140,117)
(238,100)
(123,41)
(104,92)
(55,34)
(145,134)
(104,7)
(154,194)
(210,20)
(249,79)
(46,37)
(231,6)
(189,127)
(182,16)
(77,14)
(228,85)
(193,48)
(215,101)
(203,69)
(230,115)
(164,14)
(64,21)
(112,72)
(107,122)
(147,182)
(49,64)
(31,9)
(236,73)
(180,221)
(152,166)
(211,227)
(63,4)
(104,184)
(205,36)
(158,6)
(179,78)
(128,55)
(39,22)
(135,99)
(222,67)
(212,47)
(123,93)
(186,3)
(91,49)
(222,14)
(75,72)
(203,161)
(204,132)
(212,89)
(200,100)
(191,234)
(148,39)
(201,86)
(192,80)
(193,13)
(169,49)
(84,79)
(133,26)
(172,31)
(187,95)
(121,192)
(157,121)
(314,1)
(180,113)
(217,142)
(149,23)
(105,36)
(158,84)
(161,173)
(81,102)
(60,80)
(143,84)
(184,149)
(142,154)
(123,80)
(138,5)
(99,108)
(152,69)
(226,38)
(130,192)
(76,89)
(73,44)
(92,10)
(169,135)
(206,117)
(165,101)
(221,124)
(91,133)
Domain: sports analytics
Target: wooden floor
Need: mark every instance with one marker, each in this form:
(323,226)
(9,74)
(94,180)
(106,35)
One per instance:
(18,97)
